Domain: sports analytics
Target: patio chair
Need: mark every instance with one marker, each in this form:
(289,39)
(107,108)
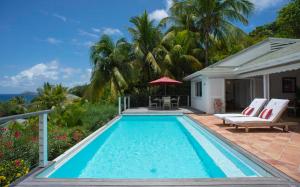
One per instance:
(252,110)
(270,116)
(175,104)
(152,104)
(166,102)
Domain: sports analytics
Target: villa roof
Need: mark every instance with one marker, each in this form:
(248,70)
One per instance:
(264,57)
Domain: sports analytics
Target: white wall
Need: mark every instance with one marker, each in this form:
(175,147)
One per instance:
(199,103)
(216,90)
(211,88)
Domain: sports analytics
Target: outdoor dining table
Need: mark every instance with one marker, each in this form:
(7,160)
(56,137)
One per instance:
(160,101)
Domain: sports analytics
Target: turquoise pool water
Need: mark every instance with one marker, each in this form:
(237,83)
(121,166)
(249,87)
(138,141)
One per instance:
(142,147)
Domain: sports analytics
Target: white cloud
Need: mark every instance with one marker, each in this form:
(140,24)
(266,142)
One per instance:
(85,33)
(111,31)
(48,71)
(61,17)
(158,14)
(79,43)
(264,4)
(53,72)
(169,4)
(68,72)
(84,78)
(86,75)
(52,40)
(107,30)
(96,30)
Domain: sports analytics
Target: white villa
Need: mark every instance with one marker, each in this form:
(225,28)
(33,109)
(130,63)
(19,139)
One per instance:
(269,69)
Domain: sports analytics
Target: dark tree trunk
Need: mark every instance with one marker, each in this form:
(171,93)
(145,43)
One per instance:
(206,49)
(149,78)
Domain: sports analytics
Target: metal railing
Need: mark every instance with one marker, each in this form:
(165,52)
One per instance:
(43,133)
(126,102)
(123,103)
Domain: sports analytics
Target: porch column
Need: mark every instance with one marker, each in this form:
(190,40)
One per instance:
(266,81)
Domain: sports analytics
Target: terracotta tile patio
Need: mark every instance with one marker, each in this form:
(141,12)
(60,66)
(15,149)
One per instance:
(280,149)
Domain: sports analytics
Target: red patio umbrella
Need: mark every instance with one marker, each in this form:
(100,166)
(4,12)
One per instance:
(165,81)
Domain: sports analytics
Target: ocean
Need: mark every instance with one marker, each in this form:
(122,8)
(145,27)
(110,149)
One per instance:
(6,97)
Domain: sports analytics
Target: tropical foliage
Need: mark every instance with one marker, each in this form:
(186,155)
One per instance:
(13,106)
(212,20)
(287,24)
(49,96)
(176,46)
(146,37)
(69,123)
(110,66)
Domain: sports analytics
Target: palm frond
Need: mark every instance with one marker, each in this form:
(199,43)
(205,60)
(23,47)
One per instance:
(154,65)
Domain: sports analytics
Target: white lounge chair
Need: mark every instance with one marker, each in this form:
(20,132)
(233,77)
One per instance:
(257,105)
(270,116)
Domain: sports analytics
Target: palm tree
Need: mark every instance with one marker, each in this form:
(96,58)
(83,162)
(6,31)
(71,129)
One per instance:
(181,57)
(50,95)
(111,66)
(180,18)
(146,37)
(214,19)
(18,100)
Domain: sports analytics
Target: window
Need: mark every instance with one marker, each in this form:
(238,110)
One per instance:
(198,89)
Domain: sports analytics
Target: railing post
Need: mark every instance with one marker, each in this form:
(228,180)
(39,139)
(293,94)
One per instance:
(43,142)
(120,107)
(128,101)
(124,103)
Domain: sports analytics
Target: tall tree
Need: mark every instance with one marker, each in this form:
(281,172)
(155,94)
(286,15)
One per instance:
(214,19)
(49,96)
(146,37)
(111,66)
(288,20)
(181,53)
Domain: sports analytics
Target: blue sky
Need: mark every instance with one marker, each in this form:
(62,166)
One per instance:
(49,40)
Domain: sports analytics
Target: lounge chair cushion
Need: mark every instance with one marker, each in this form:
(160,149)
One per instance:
(278,106)
(246,120)
(223,116)
(248,111)
(257,104)
(266,113)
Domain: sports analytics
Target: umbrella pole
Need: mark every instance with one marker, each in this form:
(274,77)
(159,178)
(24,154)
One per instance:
(165,90)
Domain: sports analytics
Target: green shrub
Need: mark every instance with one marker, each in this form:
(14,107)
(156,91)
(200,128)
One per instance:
(11,170)
(70,115)
(66,126)
(97,115)
(58,142)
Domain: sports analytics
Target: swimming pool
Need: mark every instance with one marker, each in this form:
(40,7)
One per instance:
(151,147)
